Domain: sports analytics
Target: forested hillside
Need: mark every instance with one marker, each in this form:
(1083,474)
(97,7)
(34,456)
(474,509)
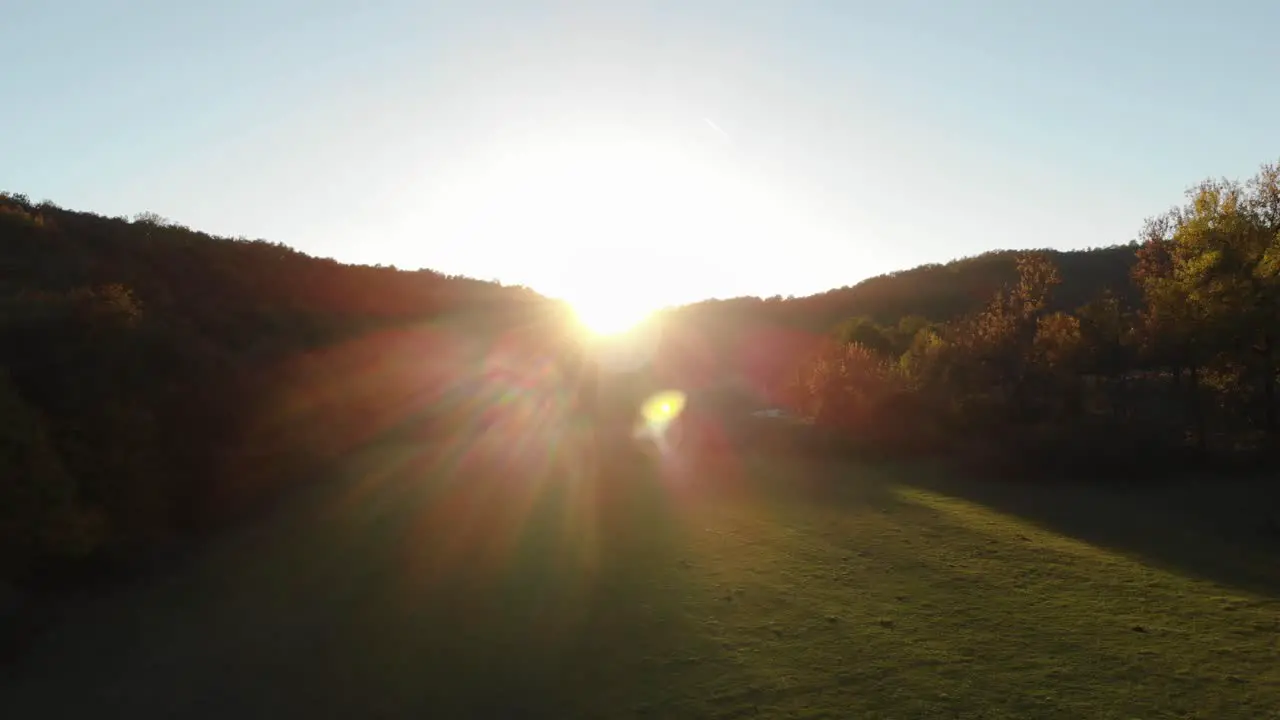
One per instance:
(1073,367)
(765,338)
(156,381)
(940,292)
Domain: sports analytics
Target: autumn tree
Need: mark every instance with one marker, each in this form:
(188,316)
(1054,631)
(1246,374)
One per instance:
(1106,354)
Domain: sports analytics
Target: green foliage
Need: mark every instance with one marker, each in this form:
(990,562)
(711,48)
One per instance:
(863,331)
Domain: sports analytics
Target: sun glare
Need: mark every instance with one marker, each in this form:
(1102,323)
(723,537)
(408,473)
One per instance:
(606,215)
(605,319)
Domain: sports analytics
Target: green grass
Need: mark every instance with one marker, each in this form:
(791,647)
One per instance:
(770,588)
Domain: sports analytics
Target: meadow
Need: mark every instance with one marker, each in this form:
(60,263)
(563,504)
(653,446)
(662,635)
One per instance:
(750,585)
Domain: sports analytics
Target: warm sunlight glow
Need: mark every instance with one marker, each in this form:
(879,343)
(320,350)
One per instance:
(617,222)
(605,319)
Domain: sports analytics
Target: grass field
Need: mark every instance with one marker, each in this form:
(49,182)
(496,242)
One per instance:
(766,587)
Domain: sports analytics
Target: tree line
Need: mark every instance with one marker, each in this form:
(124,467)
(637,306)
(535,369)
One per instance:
(157,382)
(1177,365)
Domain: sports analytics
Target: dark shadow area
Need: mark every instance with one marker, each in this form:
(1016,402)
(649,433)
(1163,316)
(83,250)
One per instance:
(1216,528)
(417,585)
(1221,528)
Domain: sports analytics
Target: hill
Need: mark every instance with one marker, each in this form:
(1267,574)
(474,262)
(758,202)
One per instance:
(941,292)
(157,382)
(1121,362)
(765,338)
(457,538)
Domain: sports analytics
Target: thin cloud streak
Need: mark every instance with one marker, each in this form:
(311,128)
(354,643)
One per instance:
(711,124)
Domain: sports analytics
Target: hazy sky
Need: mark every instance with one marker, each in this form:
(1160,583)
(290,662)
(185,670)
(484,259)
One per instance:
(664,150)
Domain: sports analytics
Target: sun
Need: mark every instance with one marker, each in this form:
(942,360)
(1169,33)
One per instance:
(606,319)
(615,219)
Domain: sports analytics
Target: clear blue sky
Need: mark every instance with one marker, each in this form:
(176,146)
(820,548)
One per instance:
(666,149)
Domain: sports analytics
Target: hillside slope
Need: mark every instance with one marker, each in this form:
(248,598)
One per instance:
(155,379)
(935,292)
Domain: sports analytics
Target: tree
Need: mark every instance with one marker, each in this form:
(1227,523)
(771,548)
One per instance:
(1232,237)
(865,332)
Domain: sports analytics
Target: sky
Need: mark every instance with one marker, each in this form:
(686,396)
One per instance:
(645,153)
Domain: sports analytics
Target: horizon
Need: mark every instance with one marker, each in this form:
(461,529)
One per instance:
(723,150)
(516,285)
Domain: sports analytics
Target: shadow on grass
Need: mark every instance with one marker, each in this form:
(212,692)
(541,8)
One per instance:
(409,588)
(519,592)
(1217,528)
(1213,529)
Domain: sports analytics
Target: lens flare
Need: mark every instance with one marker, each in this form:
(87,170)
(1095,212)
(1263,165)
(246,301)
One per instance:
(662,408)
(657,414)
